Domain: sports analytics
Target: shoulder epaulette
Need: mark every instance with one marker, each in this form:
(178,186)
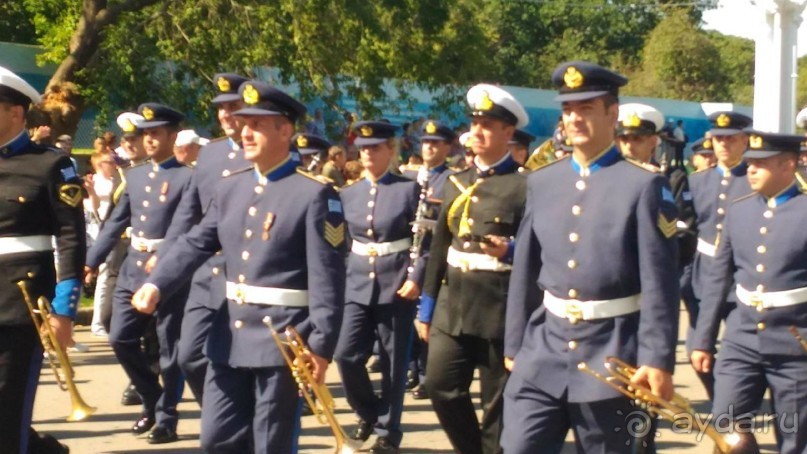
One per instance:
(548,164)
(309,176)
(647,167)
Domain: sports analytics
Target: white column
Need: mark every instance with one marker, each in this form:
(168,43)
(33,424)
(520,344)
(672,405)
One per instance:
(775,69)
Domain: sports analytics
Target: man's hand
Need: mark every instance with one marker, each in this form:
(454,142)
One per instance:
(317,365)
(89,275)
(497,247)
(422,330)
(659,381)
(146,298)
(409,291)
(509,363)
(62,328)
(701,361)
(150,264)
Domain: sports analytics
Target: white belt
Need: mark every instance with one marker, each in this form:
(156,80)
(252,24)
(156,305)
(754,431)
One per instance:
(706,248)
(144,244)
(18,244)
(268,296)
(379,249)
(469,261)
(765,300)
(576,310)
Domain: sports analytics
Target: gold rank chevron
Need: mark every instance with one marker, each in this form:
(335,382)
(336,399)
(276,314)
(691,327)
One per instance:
(667,227)
(334,235)
(71,194)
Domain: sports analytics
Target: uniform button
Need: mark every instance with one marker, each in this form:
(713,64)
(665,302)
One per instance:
(763,230)
(371,204)
(372,191)
(369,232)
(573,237)
(474,199)
(21,199)
(372,275)
(722,197)
(225,173)
(760,288)
(724,182)
(768,214)
(146,203)
(580,185)
(761,249)
(720,211)
(245,255)
(369,217)
(760,268)
(238,324)
(162,198)
(248,233)
(719,227)
(371,260)
(466,245)
(151,175)
(410,269)
(761,326)
(576,210)
(140,233)
(242,278)
(471,221)
(216,271)
(572,293)
(139,263)
(572,345)
(252,211)
(572,264)
(258,189)
(148,188)
(231,155)
(143,217)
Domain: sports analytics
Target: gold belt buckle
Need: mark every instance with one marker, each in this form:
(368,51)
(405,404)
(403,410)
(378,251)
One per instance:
(756,302)
(372,251)
(141,247)
(465,266)
(240,293)
(574,313)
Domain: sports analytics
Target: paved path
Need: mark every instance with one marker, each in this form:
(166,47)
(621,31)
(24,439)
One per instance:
(101,382)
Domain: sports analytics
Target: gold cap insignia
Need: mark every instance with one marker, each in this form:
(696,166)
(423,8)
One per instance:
(223,84)
(755,141)
(148,114)
(302,141)
(431,128)
(632,121)
(573,78)
(707,144)
(723,120)
(129,126)
(251,95)
(484,102)
(366,131)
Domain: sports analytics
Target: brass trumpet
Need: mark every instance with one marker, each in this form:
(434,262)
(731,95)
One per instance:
(317,395)
(671,410)
(39,314)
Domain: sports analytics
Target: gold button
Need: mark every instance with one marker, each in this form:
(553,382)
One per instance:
(761,326)
(372,275)
(760,268)
(573,237)
(474,199)
(252,211)
(215,271)
(761,249)
(572,293)
(763,230)
(225,173)
(258,189)
(139,263)
(369,232)
(371,204)
(143,217)
(722,197)
(148,188)
(580,185)
(760,288)
(497,219)
(369,217)
(471,221)
(576,210)
(572,264)
(720,211)
(242,278)
(248,233)
(21,199)
(245,255)
(768,214)
(238,324)
(572,345)
(146,203)
(31,275)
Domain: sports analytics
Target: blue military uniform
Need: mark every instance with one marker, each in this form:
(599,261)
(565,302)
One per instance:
(147,206)
(283,259)
(217,160)
(41,198)
(379,216)
(593,277)
(764,246)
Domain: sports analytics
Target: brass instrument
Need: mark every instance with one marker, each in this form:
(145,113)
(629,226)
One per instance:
(317,395)
(671,410)
(795,332)
(39,314)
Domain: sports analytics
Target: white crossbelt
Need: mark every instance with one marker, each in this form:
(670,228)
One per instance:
(18,244)
(765,300)
(469,261)
(144,244)
(706,248)
(268,296)
(576,310)
(379,249)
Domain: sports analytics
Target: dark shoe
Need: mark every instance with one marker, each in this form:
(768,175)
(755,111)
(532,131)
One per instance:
(143,425)
(382,445)
(420,393)
(362,432)
(412,380)
(130,396)
(162,435)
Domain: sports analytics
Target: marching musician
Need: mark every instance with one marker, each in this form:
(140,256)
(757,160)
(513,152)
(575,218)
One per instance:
(281,233)
(383,284)
(713,190)
(471,251)
(148,204)
(593,276)
(312,148)
(763,249)
(43,199)
(436,142)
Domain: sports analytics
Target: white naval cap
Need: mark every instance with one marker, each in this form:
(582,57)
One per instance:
(464,139)
(20,89)
(488,100)
(801,118)
(129,122)
(189,136)
(639,119)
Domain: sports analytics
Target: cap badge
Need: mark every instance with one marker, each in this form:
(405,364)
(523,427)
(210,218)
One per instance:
(484,102)
(148,114)
(573,78)
(755,141)
(302,141)
(223,84)
(366,131)
(707,144)
(632,121)
(251,95)
(129,126)
(723,120)
(431,128)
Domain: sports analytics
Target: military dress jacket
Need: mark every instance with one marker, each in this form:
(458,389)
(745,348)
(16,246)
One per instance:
(592,233)
(282,230)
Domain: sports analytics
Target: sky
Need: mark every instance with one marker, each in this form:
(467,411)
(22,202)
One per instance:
(742,18)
